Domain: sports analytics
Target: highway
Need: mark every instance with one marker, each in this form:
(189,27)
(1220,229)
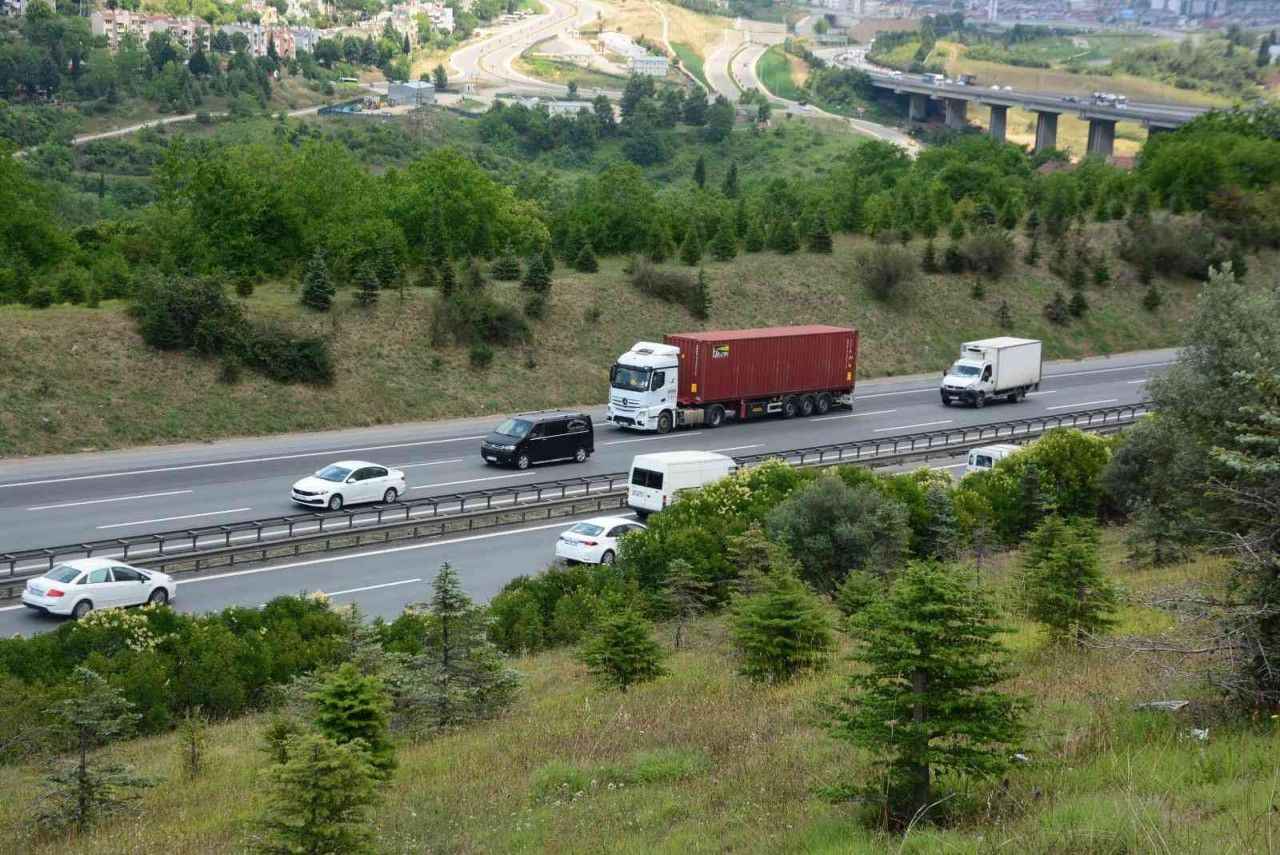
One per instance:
(55,500)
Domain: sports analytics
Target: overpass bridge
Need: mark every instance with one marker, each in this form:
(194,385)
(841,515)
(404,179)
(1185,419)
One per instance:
(955,99)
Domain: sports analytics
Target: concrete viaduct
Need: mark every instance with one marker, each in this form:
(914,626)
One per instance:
(955,99)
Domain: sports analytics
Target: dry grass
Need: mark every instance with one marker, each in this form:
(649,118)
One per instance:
(703,761)
(74,378)
(640,18)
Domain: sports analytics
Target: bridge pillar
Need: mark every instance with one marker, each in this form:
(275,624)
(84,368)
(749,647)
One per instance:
(917,107)
(956,113)
(1102,137)
(1046,130)
(999,120)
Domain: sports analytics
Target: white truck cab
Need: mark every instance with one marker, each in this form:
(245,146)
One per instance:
(982,459)
(642,384)
(658,479)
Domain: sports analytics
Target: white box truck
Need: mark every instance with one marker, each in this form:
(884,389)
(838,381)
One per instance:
(658,479)
(1003,367)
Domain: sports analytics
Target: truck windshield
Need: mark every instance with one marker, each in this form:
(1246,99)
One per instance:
(960,369)
(631,379)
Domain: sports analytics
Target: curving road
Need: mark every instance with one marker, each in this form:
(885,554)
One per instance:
(65,499)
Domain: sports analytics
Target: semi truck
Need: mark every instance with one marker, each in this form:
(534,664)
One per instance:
(992,368)
(708,378)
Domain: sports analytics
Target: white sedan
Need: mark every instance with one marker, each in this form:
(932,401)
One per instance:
(595,541)
(349,482)
(78,587)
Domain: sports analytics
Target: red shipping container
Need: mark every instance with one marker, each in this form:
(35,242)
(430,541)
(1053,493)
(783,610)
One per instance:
(722,366)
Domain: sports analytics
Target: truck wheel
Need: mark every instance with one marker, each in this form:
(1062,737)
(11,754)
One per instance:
(789,408)
(1012,397)
(807,406)
(823,405)
(715,416)
(980,400)
(664,423)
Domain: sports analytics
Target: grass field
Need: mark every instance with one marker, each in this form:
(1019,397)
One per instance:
(702,761)
(697,32)
(781,73)
(555,71)
(60,397)
(692,61)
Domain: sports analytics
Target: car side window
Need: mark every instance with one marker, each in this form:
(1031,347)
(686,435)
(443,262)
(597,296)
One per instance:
(577,426)
(986,373)
(556,428)
(96,577)
(375,472)
(538,432)
(124,574)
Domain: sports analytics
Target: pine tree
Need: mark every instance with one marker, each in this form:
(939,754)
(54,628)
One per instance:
(621,651)
(536,278)
(574,240)
(691,248)
(953,260)
(820,237)
(80,793)
(1152,299)
(388,267)
(1032,224)
(318,801)
(730,186)
(448,278)
(1009,215)
(1076,276)
(1056,310)
(929,258)
(978,291)
(1101,272)
(701,307)
(927,702)
(724,246)
(685,595)
(427,278)
(507,267)
(366,285)
(858,590)
(1032,258)
(1078,305)
(317,286)
(700,172)
(957,229)
(782,629)
(660,245)
(755,240)
(1064,585)
(942,533)
(475,281)
(460,676)
(586,260)
(1004,316)
(351,706)
(741,219)
(548,259)
(785,240)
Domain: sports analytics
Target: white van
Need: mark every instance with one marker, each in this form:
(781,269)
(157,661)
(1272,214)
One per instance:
(982,459)
(658,479)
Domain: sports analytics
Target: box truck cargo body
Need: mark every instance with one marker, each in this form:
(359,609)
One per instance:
(992,368)
(705,378)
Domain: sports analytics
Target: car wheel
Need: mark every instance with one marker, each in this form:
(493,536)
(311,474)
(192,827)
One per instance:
(607,558)
(580,456)
(522,462)
(823,404)
(715,416)
(82,608)
(980,400)
(664,423)
(335,502)
(807,406)
(158,597)
(789,408)
(390,496)
(946,400)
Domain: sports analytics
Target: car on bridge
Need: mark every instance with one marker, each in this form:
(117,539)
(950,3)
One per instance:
(75,588)
(349,482)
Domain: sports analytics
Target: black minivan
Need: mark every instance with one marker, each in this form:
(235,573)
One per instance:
(540,438)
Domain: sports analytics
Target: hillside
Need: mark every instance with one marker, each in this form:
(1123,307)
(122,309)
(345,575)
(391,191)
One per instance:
(74,378)
(704,761)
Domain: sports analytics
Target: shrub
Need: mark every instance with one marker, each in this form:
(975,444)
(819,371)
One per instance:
(886,271)
(535,307)
(40,297)
(1174,247)
(244,287)
(536,278)
(470,316)
(1152,299)
(553,608)
(1078,305)
(953,260)
(170,311)
(621,651)
(670,286)
(480,355)
(586,260)
(506,268)
(989,251)
(781,629)
(1056,310)
(929,258)
(287,358)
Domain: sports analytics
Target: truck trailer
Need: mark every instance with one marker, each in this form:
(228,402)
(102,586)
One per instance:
(993,368)
(708,378)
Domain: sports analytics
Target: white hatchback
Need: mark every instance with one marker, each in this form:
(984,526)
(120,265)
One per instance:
(78,587)
(595,541)
(349,482)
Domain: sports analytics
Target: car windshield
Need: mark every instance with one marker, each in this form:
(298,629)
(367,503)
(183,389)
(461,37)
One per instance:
(587,528)
(962,370)
(334,473)
(631,379)
(519,428)
(62,573)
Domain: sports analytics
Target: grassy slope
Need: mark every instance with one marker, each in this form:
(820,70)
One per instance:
(60,393)
(555,71)
(692,62)
(703,761)
(779,74)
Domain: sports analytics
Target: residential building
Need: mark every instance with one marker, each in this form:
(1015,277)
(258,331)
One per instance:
(305,38)
(13,7)
(622,44)
(115,24)
(652,66)
(414,93)
(568,108)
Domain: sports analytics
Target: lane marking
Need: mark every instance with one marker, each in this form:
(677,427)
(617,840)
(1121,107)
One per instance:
(853,415)
(1131,382)
(652,438)
(1106,370)
(921,424)
(944,468)
(371,587)
(1045,392)
(738,447)
(170,519)
(889,394)
(1083,404)
(116,499)
(432,463)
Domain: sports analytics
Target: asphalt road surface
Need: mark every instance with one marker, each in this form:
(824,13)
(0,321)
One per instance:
(59,500)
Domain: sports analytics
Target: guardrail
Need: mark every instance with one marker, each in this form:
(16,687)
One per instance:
(439,516)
